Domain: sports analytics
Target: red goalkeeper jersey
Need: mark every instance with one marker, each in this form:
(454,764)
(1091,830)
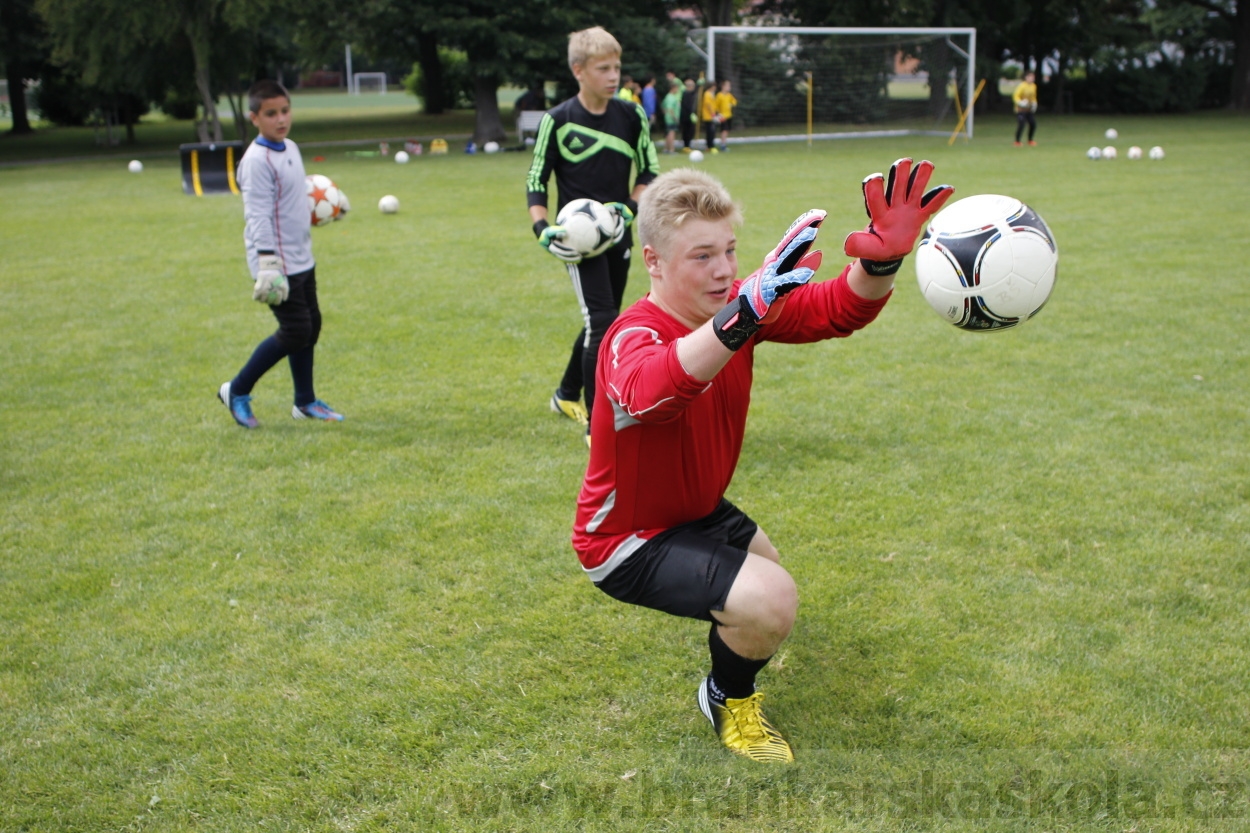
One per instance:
(665,445)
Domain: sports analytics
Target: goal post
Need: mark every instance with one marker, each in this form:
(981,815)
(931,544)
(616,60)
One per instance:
(805,82)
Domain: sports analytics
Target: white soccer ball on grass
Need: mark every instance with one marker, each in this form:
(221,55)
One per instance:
(1156,152)
(589,227)
(1112,133)
(986,263)
(696,156)
(1094,153)
(401,156)
(1134,152)
(1108,152)
(388,204)
(135,166)
(491,147)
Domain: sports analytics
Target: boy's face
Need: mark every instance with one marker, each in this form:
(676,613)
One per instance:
(273,120)
(692,280)
(599,77)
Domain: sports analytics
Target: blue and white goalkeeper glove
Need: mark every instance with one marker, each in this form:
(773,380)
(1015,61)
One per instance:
(761,297)
(270,286)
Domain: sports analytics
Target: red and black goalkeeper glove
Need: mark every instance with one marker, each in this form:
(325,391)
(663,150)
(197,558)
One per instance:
(897,212)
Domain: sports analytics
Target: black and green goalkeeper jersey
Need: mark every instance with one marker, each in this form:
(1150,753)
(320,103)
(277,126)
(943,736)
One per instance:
(592,156)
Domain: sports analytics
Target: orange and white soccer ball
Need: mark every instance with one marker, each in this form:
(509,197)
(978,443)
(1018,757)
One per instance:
(326,202)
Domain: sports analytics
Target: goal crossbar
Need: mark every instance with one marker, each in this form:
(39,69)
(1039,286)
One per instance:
(888,31)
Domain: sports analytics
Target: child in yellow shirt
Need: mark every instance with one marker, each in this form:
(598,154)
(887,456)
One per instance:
(724,105)
(1025,100)
(707,114)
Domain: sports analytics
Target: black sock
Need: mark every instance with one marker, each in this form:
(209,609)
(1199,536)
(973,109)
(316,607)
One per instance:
(302,375)
(732,677)
(268,353)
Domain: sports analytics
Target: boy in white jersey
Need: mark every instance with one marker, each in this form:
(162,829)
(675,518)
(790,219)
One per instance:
(278,239)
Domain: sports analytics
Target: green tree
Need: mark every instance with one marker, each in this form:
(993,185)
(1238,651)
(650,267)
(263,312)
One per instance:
(1235,19)
(118,45)
(22,48)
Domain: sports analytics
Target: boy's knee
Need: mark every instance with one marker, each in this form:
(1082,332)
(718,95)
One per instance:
(774,604)
(783,607)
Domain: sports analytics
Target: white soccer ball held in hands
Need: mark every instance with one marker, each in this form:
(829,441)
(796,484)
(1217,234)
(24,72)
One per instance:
(589,227)
(987,263)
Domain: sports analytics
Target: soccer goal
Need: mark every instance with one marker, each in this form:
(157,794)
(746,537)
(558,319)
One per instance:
(373,82)
(803,83)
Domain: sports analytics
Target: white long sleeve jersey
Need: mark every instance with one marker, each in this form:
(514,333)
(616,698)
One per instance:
(275,206)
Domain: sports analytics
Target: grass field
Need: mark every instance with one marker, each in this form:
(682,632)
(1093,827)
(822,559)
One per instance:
(1023,558)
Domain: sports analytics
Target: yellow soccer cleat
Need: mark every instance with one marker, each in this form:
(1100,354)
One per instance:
(743,728)
(570,408)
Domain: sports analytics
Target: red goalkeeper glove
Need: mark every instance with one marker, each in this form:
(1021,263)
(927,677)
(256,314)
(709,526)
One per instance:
(897,211)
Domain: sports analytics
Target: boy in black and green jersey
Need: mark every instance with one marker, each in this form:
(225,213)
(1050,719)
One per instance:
(592,142)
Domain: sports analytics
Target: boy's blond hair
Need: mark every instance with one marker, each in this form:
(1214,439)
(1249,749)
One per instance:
(591,43)
(677,196)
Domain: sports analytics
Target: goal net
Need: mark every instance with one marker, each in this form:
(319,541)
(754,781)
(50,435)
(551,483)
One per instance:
(369,82)
(802,83)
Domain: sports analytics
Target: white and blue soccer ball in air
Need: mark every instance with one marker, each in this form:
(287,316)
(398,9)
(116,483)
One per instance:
(987,263)
(589,227)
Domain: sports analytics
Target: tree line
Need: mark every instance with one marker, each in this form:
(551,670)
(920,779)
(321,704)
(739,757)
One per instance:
(121,57)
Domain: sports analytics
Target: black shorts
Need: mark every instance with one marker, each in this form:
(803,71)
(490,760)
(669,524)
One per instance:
(689,569)
(727,124)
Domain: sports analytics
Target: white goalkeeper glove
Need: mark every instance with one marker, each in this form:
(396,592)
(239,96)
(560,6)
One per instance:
(271,286)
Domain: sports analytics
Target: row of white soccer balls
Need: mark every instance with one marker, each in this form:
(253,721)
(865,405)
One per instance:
(1134,152)
(401,156)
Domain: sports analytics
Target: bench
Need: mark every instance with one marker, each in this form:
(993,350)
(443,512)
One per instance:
(527,122)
